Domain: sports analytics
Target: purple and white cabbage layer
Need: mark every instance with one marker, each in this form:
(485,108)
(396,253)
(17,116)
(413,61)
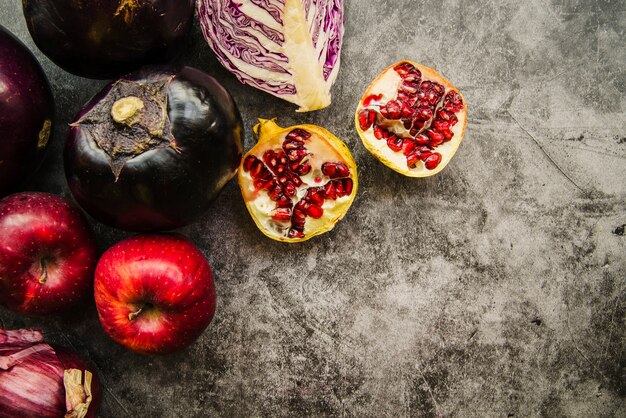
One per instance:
(288,48)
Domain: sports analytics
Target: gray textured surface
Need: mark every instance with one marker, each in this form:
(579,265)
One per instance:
(494,289)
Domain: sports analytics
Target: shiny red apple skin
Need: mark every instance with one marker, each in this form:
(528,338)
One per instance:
(154,293)
(38,229)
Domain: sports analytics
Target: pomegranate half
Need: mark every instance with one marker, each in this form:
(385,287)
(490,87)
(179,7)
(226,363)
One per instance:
(297,182)
(411,119)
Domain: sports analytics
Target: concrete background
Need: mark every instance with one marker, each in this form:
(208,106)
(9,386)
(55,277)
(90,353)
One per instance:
(493,289)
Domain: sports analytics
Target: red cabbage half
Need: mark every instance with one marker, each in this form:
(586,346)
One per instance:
(288,48)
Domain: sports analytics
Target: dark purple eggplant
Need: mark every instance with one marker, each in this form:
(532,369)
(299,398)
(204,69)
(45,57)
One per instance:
(154,148)
(26,113)
(108,38)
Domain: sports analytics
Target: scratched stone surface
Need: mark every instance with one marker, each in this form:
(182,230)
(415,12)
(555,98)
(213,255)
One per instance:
(494,289)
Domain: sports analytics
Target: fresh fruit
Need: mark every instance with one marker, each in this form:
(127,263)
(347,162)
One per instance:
(288,48)
(108,38)
(26,113)
(297,182)
(154,293)
(44,381)
(47,253)
(411,119)
(153,149)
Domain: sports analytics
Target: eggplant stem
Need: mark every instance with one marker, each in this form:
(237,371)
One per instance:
(125,110)
(44,270)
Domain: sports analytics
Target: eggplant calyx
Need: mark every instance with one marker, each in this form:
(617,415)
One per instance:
(130,120)
(128,7)
(127,110)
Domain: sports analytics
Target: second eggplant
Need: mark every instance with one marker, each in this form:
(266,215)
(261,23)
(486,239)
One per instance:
(154,148)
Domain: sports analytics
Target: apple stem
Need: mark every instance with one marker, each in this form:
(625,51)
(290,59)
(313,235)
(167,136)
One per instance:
(44,270)
(134,315)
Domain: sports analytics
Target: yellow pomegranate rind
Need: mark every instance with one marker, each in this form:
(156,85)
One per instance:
(268,131)
(384,154)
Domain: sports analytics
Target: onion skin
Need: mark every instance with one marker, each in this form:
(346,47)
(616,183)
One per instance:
(163,186)
(29,365)
(26,113)
(107,38)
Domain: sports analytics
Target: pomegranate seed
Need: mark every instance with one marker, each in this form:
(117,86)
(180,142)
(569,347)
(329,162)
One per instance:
(413,76)
(412,159)
(329,191)
(284,202)
(409,88)
(290,189)
(394,143)
(260,184)
(425,155)
(447,135)
(257,169)
(441,125)
(422,139)
(453,101)
(425,86)
(282,214)
(372,98)
(296,180)
(366,119)
(393,110)
(433,161)
(378,132)
(335,170)
(298,217)
(425,113)
(315,196)
(443,114)
(296,155)
(295,233)
(249,162)
(404,68)
(348,184)
(303,169)
(274,192)
(299,134)
(407,112)
(343,187)
(435,136)
(339,188)
(314,211)
(292,144)
(408,145)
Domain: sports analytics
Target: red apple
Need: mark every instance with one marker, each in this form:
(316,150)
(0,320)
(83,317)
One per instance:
(47,253)
(154,293)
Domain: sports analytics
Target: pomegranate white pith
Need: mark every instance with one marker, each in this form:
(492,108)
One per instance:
(411,119)
(297,182)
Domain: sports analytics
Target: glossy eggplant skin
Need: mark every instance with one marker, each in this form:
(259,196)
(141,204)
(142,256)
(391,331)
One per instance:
(26,113)
(107,38)
(164,185)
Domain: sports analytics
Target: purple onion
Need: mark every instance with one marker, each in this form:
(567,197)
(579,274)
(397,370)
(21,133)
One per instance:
(39,380)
